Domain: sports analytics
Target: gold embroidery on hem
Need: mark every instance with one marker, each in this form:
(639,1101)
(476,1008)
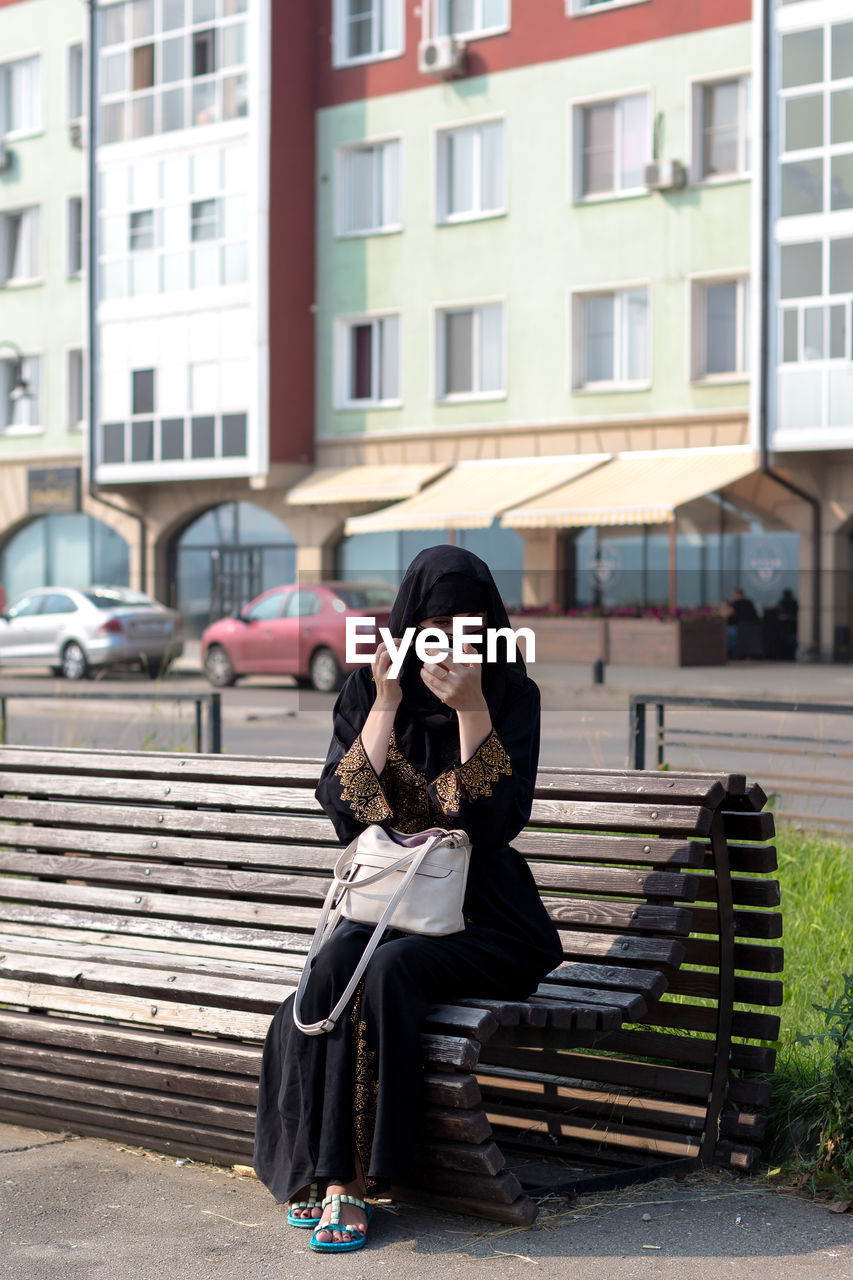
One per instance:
(365,1088)
(485,766)
(360,787)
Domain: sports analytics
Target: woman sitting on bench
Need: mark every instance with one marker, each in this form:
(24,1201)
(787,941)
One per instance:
(444,745)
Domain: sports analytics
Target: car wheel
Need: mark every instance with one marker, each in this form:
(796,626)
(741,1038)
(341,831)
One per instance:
(74,663)
(326,673)
(218,667)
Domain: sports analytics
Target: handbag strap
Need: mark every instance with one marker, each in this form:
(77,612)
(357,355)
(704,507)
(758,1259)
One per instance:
(327,925)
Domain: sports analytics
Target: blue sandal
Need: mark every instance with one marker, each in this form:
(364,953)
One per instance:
(312,1202)
(334,1224)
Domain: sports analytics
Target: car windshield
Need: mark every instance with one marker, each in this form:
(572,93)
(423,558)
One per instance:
(117,598)
(367,597)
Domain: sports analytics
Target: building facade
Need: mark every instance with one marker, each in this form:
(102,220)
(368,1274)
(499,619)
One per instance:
(48,528)
(548,256)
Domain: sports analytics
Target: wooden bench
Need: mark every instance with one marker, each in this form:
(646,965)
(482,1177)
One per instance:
(155,909)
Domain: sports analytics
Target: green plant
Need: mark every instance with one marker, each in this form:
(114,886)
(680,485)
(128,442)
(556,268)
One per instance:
(834,1152)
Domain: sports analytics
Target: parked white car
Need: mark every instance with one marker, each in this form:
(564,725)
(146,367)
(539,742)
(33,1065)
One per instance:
(75,631)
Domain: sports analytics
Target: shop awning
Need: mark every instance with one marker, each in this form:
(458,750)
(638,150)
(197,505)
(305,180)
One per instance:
(645,487)
(376,482)
(473,493)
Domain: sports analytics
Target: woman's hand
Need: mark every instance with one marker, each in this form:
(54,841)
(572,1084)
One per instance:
(458,684)
(388,691)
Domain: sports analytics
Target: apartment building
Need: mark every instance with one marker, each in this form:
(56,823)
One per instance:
(535,276)
(47,528)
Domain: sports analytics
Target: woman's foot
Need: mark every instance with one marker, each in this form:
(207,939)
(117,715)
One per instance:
(311,1194)
(353,1219)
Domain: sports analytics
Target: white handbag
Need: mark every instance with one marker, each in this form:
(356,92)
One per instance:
(414,883)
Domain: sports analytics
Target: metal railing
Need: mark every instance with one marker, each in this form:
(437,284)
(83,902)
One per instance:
(212,701)
(797,749)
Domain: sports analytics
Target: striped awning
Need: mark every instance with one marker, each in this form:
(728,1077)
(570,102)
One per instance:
(368,482)
(644,487)
(473,493)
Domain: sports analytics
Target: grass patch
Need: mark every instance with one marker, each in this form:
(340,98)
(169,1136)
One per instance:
(811,1123)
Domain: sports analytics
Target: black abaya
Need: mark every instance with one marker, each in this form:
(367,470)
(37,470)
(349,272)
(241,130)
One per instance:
(362,1083)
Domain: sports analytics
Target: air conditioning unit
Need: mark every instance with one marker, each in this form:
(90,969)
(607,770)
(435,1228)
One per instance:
(6,157)
(75,133)
(441,56)
(664,175)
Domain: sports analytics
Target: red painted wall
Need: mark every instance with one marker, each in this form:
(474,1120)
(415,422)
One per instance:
(540,32)
(291,234)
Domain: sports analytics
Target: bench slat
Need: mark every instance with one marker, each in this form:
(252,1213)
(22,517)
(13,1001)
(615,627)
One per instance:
(574,845)
(608,914)
(680,820)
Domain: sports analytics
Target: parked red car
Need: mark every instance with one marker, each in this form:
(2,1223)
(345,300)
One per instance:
(295,630)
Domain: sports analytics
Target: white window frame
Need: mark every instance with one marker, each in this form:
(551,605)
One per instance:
(477,32)
(697,126)
(576,132)
(33,406)
(340,57)
(698,321)
(343,360)
(577,339)
(37,125)
(73,424)
(583,8)
(341,195)
(37,242)
(75,272)
(442,216)
(439,362)
(77,49)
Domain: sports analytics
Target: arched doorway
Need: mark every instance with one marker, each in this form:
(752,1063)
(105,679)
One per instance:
(226,557)
(71,550)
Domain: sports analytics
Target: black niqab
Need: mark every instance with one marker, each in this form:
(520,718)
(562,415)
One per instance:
(442,581)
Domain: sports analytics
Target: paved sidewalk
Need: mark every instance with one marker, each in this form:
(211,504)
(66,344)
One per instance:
(88,1209)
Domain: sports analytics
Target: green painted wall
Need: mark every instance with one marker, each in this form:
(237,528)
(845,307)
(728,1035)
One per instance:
(543,247)
(45,318)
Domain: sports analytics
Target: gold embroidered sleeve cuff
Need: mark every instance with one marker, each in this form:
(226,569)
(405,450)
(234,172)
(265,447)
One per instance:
(474,778)
(360,787)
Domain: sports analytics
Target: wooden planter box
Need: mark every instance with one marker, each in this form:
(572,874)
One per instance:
(676,642)
(565,639)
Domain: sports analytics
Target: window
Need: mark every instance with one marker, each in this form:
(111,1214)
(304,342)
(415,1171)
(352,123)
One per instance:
(26,607)
(141,230)
(302,604)
(57,602)
(369,188)
(267,608)
(204,220)
(470,351)
(720,327)
(471,17)
(142,391)
(721,143)
(369,361)
(367,29)
(170,66)
(611,339)
(471,167)
(587,6)
(612,145)
(21,96)
(20,411)
(75,82)
(75,390)
(75,235)
(20,245)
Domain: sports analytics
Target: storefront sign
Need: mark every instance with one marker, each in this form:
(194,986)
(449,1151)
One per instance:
(605,564)
(765,563)
(52,490)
